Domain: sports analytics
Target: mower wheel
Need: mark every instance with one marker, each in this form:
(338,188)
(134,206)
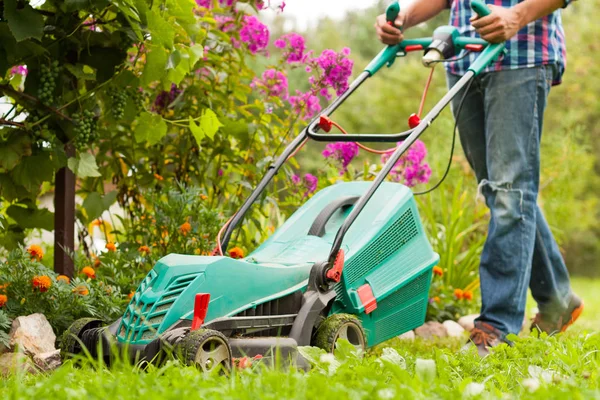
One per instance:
(339,326)
(72,338)
(206,349)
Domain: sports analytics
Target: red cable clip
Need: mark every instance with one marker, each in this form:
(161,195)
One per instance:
(325,123)
(413,121)
(335,273)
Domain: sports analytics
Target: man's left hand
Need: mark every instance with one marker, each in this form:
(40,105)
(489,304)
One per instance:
(499,26)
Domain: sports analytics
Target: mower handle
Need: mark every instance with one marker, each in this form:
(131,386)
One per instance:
(388,55)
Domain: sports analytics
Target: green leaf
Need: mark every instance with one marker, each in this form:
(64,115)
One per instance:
(81,71)
(151,128)
(95,204)
(24,22)
(14,149)
(84,166)
(156,64)
(76,5)
(31,218)
(32,171)
(104,60)
(161,30)
(208,127)
(196,52)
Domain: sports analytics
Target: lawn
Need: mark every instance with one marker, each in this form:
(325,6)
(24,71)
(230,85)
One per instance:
(566,366)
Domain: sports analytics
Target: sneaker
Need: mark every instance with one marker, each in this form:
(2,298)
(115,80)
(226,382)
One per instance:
(552,324)
(484,336)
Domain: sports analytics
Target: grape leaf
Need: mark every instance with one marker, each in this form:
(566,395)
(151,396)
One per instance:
(24,22)
(31,218)
(161,30)
(14,149)
(85,166)
(208,127)
(151,128)
(156,64)
(32,171)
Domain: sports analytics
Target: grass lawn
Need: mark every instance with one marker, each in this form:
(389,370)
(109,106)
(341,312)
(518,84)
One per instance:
(566,366)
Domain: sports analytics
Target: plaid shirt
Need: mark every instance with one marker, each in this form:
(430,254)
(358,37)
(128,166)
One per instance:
(541,42)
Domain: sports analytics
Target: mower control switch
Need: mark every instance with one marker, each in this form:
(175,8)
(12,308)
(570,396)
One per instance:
(200,310)
(335,273)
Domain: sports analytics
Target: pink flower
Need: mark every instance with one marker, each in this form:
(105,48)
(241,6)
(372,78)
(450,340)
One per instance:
(411,168)
(272,83)
(342,152)
(309,182)
(255,34)
(296,47)
(19,70)
(305,104)
(336,69)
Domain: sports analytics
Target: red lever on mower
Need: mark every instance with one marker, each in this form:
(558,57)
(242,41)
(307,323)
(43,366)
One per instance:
(335,273)
(200,310)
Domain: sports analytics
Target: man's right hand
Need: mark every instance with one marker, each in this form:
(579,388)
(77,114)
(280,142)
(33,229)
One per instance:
(390,35)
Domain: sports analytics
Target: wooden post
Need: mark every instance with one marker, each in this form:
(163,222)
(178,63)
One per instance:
(64,219)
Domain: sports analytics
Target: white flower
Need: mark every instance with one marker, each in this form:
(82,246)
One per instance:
(531,384)
(473,389)
(386,394)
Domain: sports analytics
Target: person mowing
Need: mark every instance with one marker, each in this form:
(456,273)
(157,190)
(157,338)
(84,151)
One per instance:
(500,130)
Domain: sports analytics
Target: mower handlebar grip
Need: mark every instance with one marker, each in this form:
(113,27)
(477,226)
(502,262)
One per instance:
(480,8)
(392,12)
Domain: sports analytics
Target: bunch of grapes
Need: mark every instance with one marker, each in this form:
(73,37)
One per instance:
(85,128)
(48,76)
(137,96)
(119,100)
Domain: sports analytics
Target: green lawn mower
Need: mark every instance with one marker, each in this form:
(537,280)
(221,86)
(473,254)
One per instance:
(353,262)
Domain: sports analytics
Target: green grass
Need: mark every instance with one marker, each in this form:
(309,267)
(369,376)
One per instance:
(566,366)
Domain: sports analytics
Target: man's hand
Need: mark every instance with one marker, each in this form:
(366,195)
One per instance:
(501,25)
(388,34)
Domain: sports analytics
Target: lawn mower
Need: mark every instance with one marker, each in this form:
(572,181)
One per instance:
(353,262)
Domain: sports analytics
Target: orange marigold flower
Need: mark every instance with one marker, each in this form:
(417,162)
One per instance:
(144,250)
(158,177)
(3,300)
(110,246)
(63,278)
(458,293)
(97,263)
(35,252)
(96,222)
(42,283)
(468,295)
(81,290)
(185,228)
(438,271)
(436,299)
(3,287)
(130,295)
(203,197)
(236,252)
(89,272)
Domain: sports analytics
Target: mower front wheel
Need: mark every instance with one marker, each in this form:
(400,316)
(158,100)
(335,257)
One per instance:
(340,326)
(206,349)
(72,338)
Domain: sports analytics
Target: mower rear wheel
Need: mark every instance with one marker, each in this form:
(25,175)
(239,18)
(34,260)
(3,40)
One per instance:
(206,349)
(340,326)
(73,337)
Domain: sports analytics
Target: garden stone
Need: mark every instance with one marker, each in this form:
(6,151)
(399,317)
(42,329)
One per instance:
(32,335)
(48,361)
(453,329)
(468,322)
(431,329)
(410,335)
(11,363)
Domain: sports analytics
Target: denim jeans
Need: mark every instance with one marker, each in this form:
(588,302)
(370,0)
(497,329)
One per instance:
(500,129)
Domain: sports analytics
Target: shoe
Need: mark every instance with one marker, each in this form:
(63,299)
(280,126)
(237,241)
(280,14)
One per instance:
(552,324)
(484,336)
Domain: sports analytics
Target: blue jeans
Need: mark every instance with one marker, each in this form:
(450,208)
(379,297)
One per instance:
(500,129)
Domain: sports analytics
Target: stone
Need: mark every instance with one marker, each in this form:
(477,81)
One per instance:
(32,335)
(48,361)
(468,322)
(11,363)
(431,329)
(410,335)
(453,329)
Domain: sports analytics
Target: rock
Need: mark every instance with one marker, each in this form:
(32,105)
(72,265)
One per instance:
(453,329)
(11,363)
(48,361)
(431,329)
(32,335)
(468,322)
(410,335)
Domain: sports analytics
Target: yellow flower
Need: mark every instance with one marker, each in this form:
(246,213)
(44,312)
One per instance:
(63,278)
(236,252)
(35,252)
(96,222)
(89,272)
(110,246)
